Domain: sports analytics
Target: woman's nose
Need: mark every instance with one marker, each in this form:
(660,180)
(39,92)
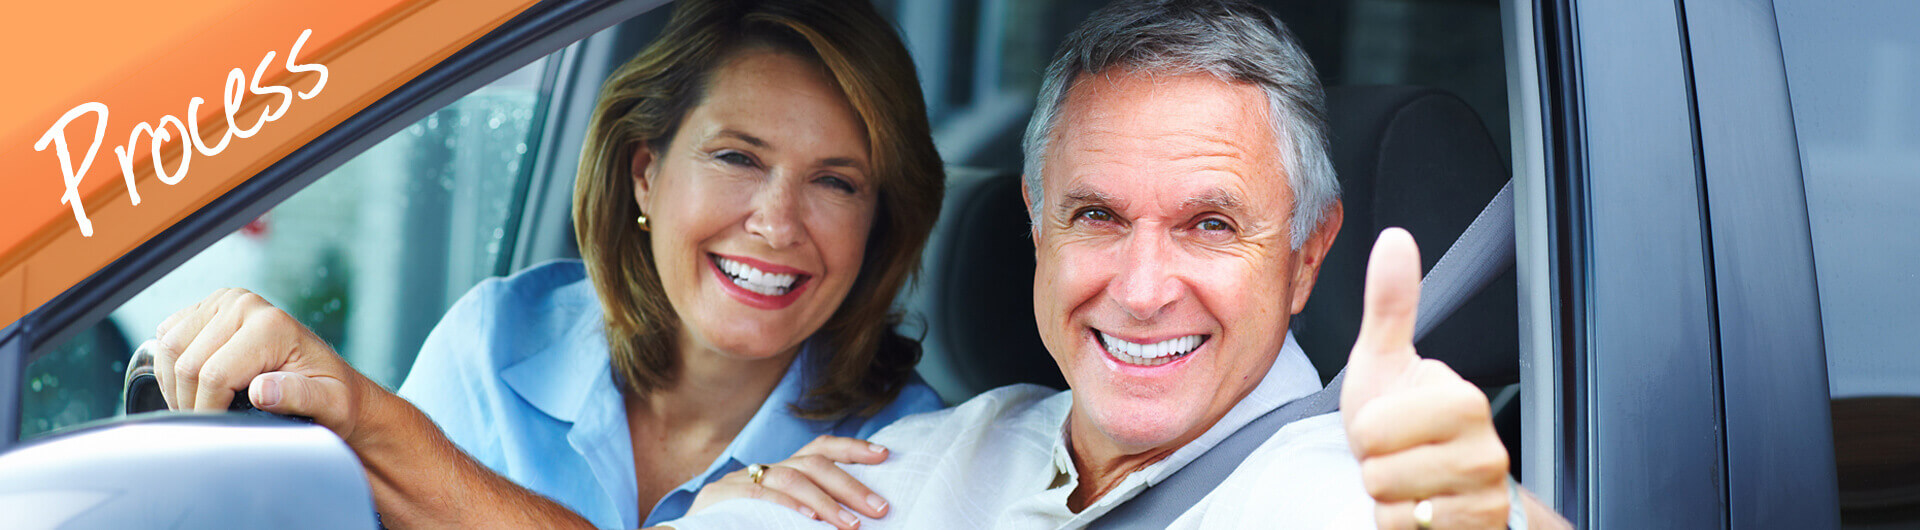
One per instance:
(776,215)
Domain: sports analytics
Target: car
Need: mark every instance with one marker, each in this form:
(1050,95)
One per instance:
(1702,328)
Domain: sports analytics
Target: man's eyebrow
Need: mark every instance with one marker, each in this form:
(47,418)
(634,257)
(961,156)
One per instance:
(1214,199)
(1080,197)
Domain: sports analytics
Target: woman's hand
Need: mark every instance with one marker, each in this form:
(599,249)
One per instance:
(235,341)
(809,483)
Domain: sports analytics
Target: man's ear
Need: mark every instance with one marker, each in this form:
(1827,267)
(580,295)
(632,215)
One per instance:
(1033,222)
(1314,253)
(645,167)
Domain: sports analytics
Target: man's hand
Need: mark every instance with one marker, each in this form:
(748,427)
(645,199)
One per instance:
(1419,431)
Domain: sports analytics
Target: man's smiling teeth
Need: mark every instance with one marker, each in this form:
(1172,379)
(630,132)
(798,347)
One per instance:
(756,280)
(1155,354)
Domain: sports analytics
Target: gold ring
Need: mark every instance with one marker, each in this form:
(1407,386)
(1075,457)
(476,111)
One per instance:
(1423,514)
(756,471)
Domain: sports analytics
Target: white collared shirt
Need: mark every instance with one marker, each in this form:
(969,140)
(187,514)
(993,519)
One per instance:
(995,461)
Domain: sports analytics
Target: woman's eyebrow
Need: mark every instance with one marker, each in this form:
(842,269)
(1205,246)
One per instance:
(755,141)
(843,161)
(744,137)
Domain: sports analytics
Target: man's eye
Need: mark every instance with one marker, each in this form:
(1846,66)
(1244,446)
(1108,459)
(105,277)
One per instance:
(1214,225)
(1098,216)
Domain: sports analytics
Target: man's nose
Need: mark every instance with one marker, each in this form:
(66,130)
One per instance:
(776,214)
(1145,283)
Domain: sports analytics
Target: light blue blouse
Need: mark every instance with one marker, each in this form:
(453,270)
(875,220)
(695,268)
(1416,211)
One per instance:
(517,374)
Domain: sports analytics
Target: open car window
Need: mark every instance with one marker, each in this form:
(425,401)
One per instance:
(368,256)
(1852,74)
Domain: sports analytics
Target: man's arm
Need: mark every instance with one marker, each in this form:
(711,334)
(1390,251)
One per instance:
(1539,516)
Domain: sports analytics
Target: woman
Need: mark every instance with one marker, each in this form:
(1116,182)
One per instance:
(755,188)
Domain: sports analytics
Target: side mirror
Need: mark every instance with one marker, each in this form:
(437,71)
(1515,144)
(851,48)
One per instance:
(185,470)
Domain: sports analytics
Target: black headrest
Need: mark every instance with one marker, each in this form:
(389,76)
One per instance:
(1417,158)
(1411,157)
(975,292)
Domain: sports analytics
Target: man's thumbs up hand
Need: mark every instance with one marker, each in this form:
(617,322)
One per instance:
(1384,349)
(1420,432)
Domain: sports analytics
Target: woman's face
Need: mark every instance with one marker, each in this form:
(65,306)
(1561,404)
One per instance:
(760,206)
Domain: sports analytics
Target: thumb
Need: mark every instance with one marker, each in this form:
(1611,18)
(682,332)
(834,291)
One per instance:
(321,398)
(1384,348)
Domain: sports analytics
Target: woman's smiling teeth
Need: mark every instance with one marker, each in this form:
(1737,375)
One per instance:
(756,280)
(1155,354)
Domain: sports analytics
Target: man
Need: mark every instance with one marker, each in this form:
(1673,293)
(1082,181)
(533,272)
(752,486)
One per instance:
(1182,201)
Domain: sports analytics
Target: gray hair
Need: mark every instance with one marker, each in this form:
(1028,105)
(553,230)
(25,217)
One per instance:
(1231,40)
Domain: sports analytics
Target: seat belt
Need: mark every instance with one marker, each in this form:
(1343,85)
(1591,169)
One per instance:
(1483,252)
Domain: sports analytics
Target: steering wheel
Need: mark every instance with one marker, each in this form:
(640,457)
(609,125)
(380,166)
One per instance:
(141,391)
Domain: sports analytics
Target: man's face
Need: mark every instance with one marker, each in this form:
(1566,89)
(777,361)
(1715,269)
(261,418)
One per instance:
(1165,274)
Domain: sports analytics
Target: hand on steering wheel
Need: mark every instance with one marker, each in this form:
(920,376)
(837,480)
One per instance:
(234,341)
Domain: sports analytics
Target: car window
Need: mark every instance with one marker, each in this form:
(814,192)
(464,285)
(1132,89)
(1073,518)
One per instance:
(369,256)
(1852,75)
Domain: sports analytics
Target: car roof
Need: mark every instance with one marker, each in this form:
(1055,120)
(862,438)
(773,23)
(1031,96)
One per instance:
(142,62)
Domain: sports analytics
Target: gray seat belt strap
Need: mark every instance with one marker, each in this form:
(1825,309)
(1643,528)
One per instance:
(1163,502)
(1482,253)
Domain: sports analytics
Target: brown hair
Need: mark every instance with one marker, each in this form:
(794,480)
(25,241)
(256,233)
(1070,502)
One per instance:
(644,101)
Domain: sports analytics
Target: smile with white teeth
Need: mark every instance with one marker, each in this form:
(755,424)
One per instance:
(756,280)
(1155,354)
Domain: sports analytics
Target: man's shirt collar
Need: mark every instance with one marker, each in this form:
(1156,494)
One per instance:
(1291,377)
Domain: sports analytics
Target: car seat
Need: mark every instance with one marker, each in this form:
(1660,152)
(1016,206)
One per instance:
(1407,156)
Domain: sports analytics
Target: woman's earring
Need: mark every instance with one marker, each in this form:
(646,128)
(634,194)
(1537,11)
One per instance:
(643,224)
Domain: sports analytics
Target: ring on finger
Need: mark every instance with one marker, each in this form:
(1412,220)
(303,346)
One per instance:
(1423,514)
(755,472)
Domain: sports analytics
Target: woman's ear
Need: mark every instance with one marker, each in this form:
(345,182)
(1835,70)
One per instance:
(645,168)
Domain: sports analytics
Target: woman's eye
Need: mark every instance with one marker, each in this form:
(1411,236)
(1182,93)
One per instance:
(837,183)
(1214,225)
(1098,216)
(734,158)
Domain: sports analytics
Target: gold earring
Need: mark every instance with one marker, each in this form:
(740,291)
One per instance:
(643,224)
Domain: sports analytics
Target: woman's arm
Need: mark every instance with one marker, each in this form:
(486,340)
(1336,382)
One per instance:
(235,341)
(420,479)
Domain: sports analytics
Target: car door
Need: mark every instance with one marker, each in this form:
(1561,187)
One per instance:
(1692,170)
(1637,439)
(420,186)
